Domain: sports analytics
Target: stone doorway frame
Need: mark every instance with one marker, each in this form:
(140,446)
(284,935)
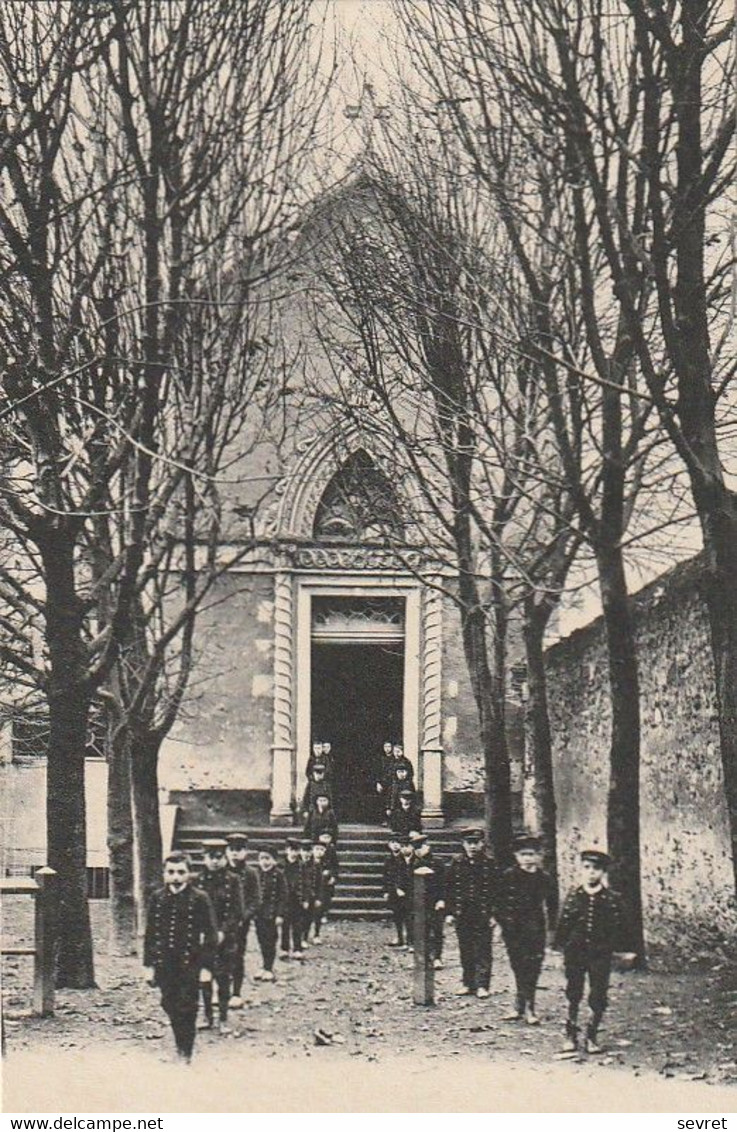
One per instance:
(293,594)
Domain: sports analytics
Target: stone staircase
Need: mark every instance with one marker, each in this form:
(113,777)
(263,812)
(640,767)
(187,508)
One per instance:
(361,851)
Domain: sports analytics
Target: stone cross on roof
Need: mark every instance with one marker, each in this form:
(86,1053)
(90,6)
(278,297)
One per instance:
(367,111)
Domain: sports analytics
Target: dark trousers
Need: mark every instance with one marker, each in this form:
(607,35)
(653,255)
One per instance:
(308,916)
(319,913)
(224,985)
(474,944)
(239,958)
(398,908)
(178,988)
(598,968)
(222,976)
(266,934)
(291,930)
(526,960)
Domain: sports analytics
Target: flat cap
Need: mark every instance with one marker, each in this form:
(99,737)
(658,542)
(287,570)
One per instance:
(292,843)
(417,838)
(406,793)
(596,857)
(472,833)
(237,840)
(214,844)
(526,841)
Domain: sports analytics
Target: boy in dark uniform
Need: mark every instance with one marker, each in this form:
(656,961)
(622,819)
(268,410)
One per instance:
(271,911)
(527,907)
(251,896)
(179,948)
(325,878)
(399,770)
(321,818)
(291,931)
(405,889)
(331,853)
(224,889)
(435,894)
(394,882)
(317,786)
(317,756)
(589,930)
(309,882)
(471,893)
(405,819)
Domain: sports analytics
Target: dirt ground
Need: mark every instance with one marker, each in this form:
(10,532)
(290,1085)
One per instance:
(670,1038)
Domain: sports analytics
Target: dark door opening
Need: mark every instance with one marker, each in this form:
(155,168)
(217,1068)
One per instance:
(357,692)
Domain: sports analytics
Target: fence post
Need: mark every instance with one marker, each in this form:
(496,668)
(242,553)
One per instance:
(423,990)
(45,942)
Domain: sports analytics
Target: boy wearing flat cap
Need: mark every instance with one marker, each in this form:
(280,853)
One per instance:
(291,931)
(224,889)
(271,911)
(434,894)
(471,897)
(394,886)
(248,879)
(589,931)
(325,878)
(179,948)
(405,817)
(527,908)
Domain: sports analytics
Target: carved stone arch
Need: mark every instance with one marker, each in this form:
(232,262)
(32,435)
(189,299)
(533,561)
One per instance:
(316,466)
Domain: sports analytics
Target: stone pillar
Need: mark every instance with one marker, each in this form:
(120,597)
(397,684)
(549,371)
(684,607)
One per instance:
(282,772)
(432,676)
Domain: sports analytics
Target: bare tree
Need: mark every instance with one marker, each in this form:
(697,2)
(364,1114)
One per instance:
(488,64)
(145,143)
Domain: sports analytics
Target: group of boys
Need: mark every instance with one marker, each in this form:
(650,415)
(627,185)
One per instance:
(197,926)
(397,793)
(473,894)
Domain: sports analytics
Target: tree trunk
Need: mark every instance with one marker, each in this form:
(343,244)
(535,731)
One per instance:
(144,752)
(120,842)
(66,819)
(623,810)
(538,743)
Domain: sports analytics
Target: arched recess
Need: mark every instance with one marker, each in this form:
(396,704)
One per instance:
(320,465)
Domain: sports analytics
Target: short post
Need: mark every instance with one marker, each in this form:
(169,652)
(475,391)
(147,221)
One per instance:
(44,963)
(423,990)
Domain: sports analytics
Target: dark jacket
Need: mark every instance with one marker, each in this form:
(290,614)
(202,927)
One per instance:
(312,792)
(590,924)
(180,930)
(390,772)
(273,894)
(524,900)
(408,821)
(394,875)
(471,888)
(324,760)
(296,882)
(226,893)
(318,823)
(250,888)
(325,878)
(309,879)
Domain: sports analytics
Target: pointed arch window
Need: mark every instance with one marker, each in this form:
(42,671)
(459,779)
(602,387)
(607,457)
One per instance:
(359,504)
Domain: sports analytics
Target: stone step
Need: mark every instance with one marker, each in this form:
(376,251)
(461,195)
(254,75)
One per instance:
(361,850)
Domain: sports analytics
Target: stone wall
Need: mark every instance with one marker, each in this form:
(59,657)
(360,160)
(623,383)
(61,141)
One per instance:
(687,870)
(222,740)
